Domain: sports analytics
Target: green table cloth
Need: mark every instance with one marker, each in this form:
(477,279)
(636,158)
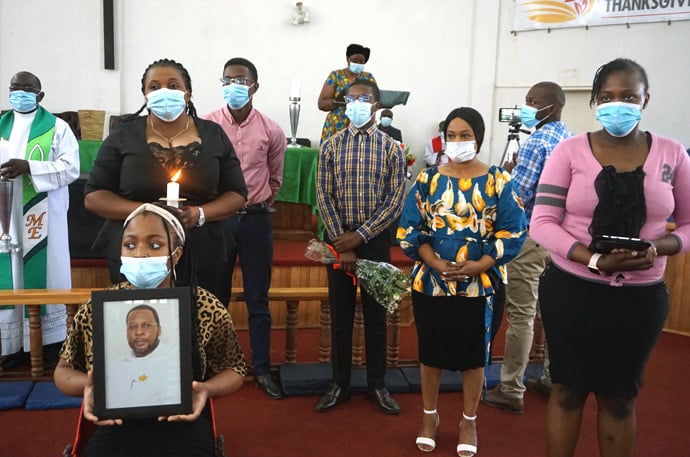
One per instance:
(87,154)
(299,176)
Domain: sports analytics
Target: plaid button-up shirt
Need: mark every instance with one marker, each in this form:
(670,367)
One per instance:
(531,158)
(361,182)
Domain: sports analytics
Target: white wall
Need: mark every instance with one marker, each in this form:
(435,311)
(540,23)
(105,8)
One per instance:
(63,46)
(572,56)
(447,53)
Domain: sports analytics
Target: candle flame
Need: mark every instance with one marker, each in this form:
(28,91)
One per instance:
(176,176)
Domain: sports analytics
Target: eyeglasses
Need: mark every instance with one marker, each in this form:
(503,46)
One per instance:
(364,98)
(242,81)
(146,326)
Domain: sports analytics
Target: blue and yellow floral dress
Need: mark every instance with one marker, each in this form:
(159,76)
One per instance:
(336,120)
(462,219)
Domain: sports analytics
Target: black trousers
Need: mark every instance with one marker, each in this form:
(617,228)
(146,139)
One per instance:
(342,294)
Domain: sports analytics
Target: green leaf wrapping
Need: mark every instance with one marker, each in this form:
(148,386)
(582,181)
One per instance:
(387,284)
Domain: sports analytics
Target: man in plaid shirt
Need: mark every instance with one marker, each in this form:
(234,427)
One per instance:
(361,182)
(542,110)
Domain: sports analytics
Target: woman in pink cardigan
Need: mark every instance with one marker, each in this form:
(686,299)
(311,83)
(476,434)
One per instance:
(603,310)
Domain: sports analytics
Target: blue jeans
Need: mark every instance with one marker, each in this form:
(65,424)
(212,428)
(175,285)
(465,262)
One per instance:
(254,235)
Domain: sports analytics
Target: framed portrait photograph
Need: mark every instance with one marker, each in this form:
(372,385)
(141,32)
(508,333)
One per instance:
(142,353)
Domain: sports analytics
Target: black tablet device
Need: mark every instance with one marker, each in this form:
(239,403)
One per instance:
(606,243)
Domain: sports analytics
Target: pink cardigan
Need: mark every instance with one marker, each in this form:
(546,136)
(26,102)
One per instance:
(566,200)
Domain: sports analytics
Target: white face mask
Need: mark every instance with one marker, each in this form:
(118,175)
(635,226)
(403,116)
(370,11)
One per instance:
(461,151)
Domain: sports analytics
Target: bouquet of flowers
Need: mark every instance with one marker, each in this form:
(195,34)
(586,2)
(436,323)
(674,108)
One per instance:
(386,283)
(410,159)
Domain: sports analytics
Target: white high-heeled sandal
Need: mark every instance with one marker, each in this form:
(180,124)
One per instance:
(467,450)
(425,441)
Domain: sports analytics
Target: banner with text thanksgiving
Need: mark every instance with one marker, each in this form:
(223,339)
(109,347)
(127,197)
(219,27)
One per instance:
(551,14)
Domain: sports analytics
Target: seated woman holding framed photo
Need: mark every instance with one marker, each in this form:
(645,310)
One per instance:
(155,256)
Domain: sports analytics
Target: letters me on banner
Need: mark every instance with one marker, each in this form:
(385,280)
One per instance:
(551,14)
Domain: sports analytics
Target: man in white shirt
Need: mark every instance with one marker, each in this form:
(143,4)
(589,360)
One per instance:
(433,151)
(40,155)
(149,375)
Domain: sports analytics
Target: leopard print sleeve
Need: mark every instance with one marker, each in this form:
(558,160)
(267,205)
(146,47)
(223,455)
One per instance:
(78,345)
(219,345)
(77,350)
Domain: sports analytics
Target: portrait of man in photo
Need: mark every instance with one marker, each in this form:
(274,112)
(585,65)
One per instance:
(147,371)
(143,330)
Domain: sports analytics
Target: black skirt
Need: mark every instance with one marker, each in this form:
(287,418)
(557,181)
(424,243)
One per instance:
(600,336)
(452,331)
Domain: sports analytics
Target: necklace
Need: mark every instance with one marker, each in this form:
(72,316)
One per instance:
(169,140)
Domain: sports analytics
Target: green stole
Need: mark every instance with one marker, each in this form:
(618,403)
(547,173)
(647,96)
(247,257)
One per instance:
(34,223)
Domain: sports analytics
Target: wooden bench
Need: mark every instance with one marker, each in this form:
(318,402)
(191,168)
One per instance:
(292,296)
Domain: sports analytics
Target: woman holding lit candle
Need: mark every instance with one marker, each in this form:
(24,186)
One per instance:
(138,161)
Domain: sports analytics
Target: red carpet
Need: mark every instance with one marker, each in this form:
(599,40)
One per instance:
(255,426)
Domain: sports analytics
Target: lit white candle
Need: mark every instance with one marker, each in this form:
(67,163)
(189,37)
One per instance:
(172,195)
(295,88)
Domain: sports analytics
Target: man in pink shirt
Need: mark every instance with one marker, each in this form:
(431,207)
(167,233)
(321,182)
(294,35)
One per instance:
(260,145)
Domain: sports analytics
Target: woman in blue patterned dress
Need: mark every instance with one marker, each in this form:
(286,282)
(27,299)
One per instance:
(335,88)
(461,223)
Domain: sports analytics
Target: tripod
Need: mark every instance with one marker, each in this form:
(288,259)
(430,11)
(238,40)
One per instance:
(513,136)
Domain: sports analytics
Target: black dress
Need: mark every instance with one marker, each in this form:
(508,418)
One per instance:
(130,167)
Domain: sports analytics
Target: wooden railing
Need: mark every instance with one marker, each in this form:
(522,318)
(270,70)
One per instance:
(292,296)
(34,298)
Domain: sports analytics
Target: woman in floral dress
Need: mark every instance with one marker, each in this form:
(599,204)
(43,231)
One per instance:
(461,223)
(335,88)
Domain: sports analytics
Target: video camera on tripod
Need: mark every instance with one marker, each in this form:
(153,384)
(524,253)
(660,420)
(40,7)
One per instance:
(512,117)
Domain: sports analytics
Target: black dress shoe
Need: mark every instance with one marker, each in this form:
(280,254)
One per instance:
(333,396)
(268,385)
(383,400)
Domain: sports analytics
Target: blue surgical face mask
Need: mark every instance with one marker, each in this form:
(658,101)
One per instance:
(619,118)
(166,104)
(528,115)
(356,68)
(386,121)
(461,151)
(22,101)
(236,95)
(358,112)
(145,272)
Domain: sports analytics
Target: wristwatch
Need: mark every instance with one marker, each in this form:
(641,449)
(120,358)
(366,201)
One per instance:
(202,217)
(592,265)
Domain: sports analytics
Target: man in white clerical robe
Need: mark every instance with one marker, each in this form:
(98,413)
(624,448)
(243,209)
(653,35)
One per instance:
(40,155)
